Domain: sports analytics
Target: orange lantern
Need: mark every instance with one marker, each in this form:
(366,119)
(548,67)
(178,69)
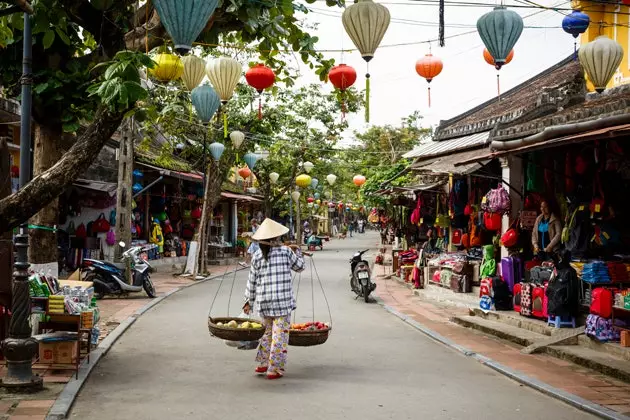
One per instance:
(358,180)
(490,60)
(244,172)
(429,67)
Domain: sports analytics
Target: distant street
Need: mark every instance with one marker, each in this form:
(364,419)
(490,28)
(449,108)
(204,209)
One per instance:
(374,366)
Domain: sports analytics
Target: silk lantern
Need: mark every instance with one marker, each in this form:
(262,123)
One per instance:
(490,60)
(499,30)
(317,195)
(244,172)
(250,159)
(237,138)
(575,23)
(194,71)
(342,77)
(429,67)
(365,23)
(308,166)
(224,74)
(310,199)
(167,67)
(260,77)
(184,20)
(331,179)
(206,102)
(600,59)
(273,177)
(216,150)
(303,181)
(295,195)
(314,183)
(358,180)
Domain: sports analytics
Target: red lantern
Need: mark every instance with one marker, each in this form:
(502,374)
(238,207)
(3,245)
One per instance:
(429,67)
(490,60)
(310,199)
(342,77)
(244,172)
(260,77)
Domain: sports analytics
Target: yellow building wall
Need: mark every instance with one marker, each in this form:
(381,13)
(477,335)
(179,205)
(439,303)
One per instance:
(610,20)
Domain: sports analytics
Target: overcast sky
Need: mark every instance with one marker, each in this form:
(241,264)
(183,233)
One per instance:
(466,81)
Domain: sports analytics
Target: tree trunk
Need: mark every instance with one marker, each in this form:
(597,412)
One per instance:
(124,196)
(6,242)
(212,195)
(42,250)
(46,187)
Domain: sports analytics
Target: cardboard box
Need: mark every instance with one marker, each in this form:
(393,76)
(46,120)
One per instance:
(62,352)
(625,338)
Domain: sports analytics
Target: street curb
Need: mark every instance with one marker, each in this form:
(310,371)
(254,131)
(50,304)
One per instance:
(520,377)
(65,400)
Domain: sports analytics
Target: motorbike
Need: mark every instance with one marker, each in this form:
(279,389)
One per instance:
(109,278)
(360,277)
(312,241)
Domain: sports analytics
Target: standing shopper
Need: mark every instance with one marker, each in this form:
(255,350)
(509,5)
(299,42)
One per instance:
(269,289)
(253,247)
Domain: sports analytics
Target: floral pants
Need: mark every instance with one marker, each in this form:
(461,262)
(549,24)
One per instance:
(272,351)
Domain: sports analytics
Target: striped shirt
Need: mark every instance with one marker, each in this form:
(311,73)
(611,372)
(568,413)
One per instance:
(269,283)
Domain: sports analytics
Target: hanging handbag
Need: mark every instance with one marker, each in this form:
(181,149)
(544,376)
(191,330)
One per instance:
(71,230)
(492,221)
(510,237)
(81,231)
(101,225)
(497,201)
(441,220)
(111,238)
(416,215)
(196,213)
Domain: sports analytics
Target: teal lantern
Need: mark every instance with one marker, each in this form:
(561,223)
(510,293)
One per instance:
(499,30)
(184,20)
(250,159)
(314,183)
(216,150)
(206,102)
(316,195)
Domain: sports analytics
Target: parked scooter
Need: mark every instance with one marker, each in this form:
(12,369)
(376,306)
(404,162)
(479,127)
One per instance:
(360,278)
(109,278)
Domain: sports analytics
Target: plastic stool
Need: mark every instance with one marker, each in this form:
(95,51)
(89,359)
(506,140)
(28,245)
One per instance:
(561,322)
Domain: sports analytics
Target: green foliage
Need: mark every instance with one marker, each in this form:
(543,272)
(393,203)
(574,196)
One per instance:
(120,87)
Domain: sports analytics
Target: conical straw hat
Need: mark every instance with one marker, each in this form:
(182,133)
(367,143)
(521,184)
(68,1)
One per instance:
(269,229)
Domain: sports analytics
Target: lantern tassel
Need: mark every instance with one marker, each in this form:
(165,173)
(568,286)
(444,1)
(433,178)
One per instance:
(343,107)
(259,107)
(225,125)
(367,97)
(429,94)
(498,86)
(575,50)
(441,24)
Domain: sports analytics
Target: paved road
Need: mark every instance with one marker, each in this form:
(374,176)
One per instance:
(374,366)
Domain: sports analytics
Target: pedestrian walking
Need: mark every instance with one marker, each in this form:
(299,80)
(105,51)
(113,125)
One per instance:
(253,247)
(270,292)
(351,228)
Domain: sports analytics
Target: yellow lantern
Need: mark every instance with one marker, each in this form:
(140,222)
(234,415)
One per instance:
(194,71)
(224,74)
(303,181)
(168,67)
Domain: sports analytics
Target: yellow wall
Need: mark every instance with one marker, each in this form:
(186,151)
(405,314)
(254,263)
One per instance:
(610,20)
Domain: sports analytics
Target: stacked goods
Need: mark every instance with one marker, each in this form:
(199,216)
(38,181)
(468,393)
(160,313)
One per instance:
(596,272)
(56,304)
(235,329)
(618,271)
(235,324)
(310,326)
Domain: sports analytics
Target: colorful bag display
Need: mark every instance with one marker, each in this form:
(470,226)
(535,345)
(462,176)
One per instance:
(416,216)
(526,299)
(457,237)
(100,225)
(517,297)
(492,221)
(601,329)
(497,201)
(510,237)
(111,238)
(601,302)
(81,231)
(196,213)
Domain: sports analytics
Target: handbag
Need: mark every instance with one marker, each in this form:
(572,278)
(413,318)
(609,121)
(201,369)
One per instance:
(492,221)
(416,215)
(81,231)
(497,201)
(457,237)
(71,230)
(101,225)
(441,220)
(196,213)
(510,237)
(111,238)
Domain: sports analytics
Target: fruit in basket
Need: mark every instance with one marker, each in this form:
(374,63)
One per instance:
(310,326)
(245,325)
(232,324)
(256,325)
(219,324)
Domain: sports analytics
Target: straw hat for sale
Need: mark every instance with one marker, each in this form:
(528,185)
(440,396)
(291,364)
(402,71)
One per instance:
(269,229)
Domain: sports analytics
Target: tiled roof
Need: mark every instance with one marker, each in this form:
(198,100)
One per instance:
(516,103)
(440,148)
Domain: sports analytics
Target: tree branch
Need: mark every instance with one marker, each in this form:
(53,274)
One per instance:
(44,188)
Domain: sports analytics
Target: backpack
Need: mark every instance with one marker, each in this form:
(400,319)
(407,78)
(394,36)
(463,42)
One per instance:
(81,231)
(563,292)
(111,238)
(497,201)
(601,302)
(112,218)
(601,329)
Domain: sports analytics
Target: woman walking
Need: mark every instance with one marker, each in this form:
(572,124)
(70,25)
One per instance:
(269,289)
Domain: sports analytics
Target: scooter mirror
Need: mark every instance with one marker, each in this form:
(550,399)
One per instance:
(122,244)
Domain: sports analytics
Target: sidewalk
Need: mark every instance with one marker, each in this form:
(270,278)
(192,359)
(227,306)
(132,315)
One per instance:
(113,312)
(560,374)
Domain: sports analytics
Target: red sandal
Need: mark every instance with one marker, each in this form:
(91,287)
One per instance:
(274,375)
(261,369)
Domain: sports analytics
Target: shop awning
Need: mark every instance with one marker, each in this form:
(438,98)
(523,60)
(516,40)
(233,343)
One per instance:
(108,187)
(409,189)
(449,164)
(603,133)
(445,147)
(186,176)
(240,197)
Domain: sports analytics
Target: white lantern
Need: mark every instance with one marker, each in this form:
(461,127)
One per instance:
(295,195)
(308,166)
(237,138)
(224,74)
(331,179)
(601,58)
(273,177)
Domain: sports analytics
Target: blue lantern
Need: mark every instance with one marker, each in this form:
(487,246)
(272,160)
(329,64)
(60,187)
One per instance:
(137,187)
(499,30)
(184,20)
(250,159)
(314,183)
(206,102)
(575,23)
(216,150)
(137,173)
(316,195)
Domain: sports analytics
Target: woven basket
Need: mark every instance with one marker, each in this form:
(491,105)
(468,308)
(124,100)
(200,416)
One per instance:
(308,338)
(233,334)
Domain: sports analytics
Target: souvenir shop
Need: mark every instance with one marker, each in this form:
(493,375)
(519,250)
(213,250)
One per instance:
(568,248)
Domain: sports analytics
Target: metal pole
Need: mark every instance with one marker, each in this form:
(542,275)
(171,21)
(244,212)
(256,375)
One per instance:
(205,135)
(291,214)
(20,348)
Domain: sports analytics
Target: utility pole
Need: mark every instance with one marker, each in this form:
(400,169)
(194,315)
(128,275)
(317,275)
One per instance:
(20,348)
(124,198)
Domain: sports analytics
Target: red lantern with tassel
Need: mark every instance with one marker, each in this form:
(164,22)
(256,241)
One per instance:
(260,77)
(244,172)
(490,60)
(429,67)
(342,77)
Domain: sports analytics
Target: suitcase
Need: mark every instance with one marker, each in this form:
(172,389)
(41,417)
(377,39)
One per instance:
(508,272)
(538,297)
(461,283)
(526,299)
(517,297)
(601,302)
(518,269)
(545,304)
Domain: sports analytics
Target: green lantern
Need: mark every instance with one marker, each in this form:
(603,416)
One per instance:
(499,30)
(184,20)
